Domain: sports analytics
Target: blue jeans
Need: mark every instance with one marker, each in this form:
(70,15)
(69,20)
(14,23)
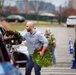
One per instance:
(53,55)
(30,64)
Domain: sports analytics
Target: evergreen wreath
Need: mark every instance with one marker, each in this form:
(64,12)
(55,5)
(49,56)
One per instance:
(16,37)
(43,61)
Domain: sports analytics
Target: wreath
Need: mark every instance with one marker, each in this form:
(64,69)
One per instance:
(43,61)
(16,37)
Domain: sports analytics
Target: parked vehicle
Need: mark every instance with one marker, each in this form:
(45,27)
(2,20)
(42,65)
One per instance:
(14,18)
(21,54)
(17,52)
(6,68)
(71,21)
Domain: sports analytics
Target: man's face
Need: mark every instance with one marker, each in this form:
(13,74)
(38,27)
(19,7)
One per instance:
(28,28)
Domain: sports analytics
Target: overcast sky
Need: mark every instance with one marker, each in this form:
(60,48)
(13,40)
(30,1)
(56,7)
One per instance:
(58,2)
(55,2)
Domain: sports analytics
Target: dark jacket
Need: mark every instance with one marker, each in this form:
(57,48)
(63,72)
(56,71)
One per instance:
(75,50)
(3,49)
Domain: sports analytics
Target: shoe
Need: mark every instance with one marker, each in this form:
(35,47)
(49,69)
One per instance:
(53,63)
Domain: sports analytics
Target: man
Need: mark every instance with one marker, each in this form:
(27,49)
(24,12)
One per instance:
(75,45)
(51,44)
(4,26)
(75,50)
(34,40)
(3,47)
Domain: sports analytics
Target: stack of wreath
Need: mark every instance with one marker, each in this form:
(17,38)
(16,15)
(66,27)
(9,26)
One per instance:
(43,61)
(16,37)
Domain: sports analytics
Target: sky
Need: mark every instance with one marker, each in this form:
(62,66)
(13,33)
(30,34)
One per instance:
(55,2)
(58,2)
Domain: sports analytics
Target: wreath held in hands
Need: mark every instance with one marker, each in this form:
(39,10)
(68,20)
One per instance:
(43,61)
(16,38)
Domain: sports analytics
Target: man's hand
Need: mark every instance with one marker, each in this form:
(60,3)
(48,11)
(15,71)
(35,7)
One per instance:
(7,37)
(43,51)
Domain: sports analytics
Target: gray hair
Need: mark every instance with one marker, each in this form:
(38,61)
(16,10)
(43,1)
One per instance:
(48,30)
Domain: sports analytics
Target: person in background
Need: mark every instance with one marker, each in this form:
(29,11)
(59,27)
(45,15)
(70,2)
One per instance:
(75,45)
(75,49)
(3,48)
(3,26)
(51,44)
(35,40)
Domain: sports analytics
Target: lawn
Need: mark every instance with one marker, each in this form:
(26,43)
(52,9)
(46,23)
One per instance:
(21,26)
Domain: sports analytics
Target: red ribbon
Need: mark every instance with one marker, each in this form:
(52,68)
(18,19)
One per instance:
(41,50)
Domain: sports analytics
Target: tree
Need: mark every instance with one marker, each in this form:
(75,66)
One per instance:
(71,11)
(68,11)
(1,6)
(64,12)
(36,6)
(26,7)
(59,14)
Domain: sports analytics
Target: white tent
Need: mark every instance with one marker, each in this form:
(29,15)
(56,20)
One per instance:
(47,14)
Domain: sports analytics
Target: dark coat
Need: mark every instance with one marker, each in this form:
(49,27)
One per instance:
(75,50)
(3,49)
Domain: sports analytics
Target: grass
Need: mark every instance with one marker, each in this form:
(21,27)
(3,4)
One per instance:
(21,26)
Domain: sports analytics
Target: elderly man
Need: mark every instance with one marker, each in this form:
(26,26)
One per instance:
(51,44)
(34,40)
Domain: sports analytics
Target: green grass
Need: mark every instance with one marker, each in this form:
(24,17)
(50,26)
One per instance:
(21,26)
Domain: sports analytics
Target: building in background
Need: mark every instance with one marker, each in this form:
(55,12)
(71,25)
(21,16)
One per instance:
(30,7)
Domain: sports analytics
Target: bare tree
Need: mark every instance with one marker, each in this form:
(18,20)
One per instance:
(59,14)
(1,6)
(26,7)
(67,12)
(36,6)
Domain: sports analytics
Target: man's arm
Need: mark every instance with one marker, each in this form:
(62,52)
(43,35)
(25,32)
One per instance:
(43,50)
(44,42)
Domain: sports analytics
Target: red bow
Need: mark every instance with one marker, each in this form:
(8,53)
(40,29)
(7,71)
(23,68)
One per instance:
(41,50)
